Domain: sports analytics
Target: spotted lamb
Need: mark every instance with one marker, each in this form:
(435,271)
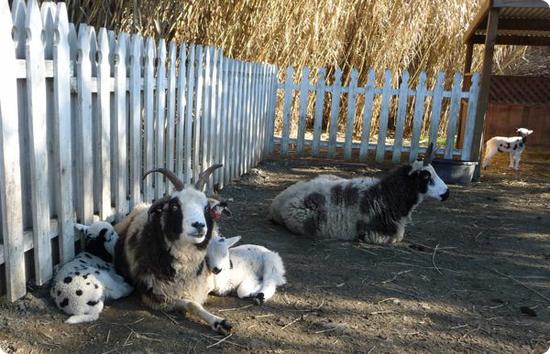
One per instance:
(514,145)
(364,209)
(249,270)
(82,285)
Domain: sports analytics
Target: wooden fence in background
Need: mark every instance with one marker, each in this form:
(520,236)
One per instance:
(411,111)
(83,113)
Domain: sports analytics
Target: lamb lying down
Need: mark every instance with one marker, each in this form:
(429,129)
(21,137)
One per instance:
(252,271)
(81,285)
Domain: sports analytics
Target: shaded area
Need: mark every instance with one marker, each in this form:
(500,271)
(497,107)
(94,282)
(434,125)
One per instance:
(462,281)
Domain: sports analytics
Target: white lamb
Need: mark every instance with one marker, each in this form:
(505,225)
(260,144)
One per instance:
(250,270)
(81,285)
(514,145)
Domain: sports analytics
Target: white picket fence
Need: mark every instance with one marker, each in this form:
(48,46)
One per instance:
(83,114)
(306,90)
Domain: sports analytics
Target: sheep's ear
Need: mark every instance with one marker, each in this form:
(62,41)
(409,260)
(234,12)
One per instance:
(233,240)
(81,227)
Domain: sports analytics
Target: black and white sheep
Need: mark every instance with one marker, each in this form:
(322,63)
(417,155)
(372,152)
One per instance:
(249,270)
(82,285)
(365,209)
(163,250)
(514,145)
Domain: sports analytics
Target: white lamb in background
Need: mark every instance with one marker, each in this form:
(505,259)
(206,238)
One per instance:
(514,145)
(81,285)
(250,270)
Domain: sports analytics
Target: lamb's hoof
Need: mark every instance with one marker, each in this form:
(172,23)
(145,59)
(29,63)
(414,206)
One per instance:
(224,327)
(259,299)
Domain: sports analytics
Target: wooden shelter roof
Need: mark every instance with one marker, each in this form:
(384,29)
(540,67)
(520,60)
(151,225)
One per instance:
(520,22)
(523,90)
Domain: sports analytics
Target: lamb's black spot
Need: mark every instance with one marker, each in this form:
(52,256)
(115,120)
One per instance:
(499,149)
(67,280)
(507,145)
(520,145)
(87,255)
(88,283)
(231,263)
(85,276)
(97,272)
(92,303)
(77,273)
(515,146)
(79,292)
(58,293)
(83,261)
(64,303)
(96,286)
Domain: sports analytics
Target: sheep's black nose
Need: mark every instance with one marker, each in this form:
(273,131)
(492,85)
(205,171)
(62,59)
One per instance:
(445,195)
(216,270)
(199,226)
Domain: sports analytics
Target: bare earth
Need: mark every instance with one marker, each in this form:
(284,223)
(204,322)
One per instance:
(472,275)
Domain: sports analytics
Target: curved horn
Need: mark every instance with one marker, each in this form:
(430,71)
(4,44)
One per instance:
(178,184)
(429,155)
(203,176)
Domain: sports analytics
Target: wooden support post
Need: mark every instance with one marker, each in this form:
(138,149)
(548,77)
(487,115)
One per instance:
(492,24)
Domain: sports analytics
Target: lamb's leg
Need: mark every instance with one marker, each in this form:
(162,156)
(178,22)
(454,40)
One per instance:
(248,288)
(489,153)
(218,324)
(266,292)
(512,160)
(517,157)
(94,311)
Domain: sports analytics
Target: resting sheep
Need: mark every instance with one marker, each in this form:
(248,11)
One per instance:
(250,270)
(163,250)
(514,145)
(364,209)
(81,285)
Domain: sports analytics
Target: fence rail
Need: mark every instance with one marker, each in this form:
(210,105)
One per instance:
(409,108)
(83,113)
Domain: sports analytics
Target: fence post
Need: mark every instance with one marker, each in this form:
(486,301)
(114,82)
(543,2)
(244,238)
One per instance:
(36,99)
(419,103)
(472,106)
(149,146)
(367,116)
(62,171)
(334,112)
(350,119)
(384,114)
(456,94)
(401,115)
(10,177)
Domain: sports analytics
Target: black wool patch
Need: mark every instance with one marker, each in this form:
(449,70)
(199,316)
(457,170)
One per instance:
(64,303)
(97,272)
(67,280)
(83,261)
(96,286)
(79,292)
(77,273)
(58,293)
(87,255)
(92,303)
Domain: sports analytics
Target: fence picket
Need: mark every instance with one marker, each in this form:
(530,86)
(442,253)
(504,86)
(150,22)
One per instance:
(235,119)
(149,158)
(119,132)
(367,116)
(436,107)
(181,101)
(171,114)
(302,115)
(384,115)
(10,177)
(334,112)
(189,118)
(37,130)
(198,111)
(207,100)
(469,130)
(419,104)
(271,110)
(456,93)
(19,17)
(135,120)
(62,171)
(214,119)
(287,105)
(350,118)
(319,104)
(401,115)
(224,116)
(160,122)
(103,124)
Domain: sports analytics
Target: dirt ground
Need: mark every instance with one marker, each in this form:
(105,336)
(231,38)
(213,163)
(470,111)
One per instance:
(473,275)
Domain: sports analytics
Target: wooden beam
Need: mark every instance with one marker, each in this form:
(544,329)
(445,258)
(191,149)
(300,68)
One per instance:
(468,57)
(521,3)
(476,23)
(515,40)
(492,25)
(515,24)
(465,83)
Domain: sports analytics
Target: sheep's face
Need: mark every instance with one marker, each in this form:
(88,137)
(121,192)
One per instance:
(100,239)
(183,216)
(428,181)
(217,254)
(524,132)
(217,208)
